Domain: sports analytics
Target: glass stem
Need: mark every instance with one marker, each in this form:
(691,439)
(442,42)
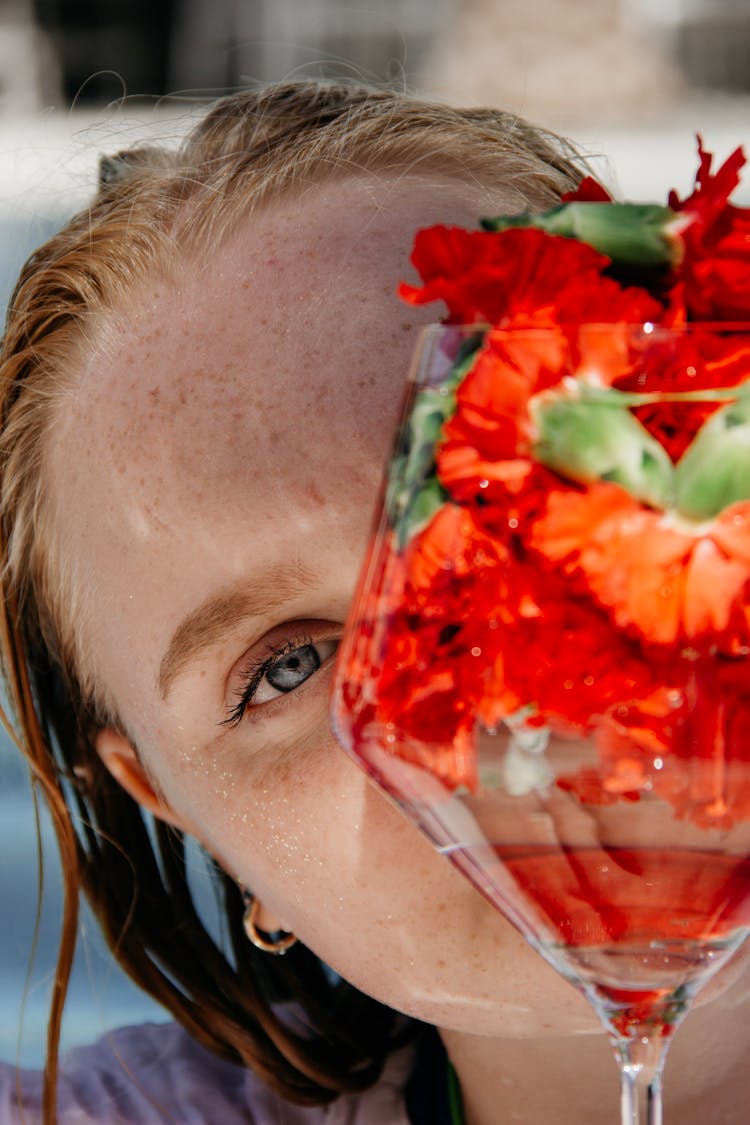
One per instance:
(641,1063)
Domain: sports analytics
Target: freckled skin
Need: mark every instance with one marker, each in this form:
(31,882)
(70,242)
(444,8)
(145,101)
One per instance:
(242,418)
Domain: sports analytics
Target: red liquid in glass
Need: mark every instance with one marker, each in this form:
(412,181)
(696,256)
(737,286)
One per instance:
(594,897)
(630,926)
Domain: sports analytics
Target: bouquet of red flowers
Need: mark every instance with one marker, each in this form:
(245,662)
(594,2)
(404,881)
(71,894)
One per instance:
(569,544)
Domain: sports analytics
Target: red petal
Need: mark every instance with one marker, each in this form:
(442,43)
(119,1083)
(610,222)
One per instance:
(588,191)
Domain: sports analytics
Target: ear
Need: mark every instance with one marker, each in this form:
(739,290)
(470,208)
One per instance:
(122,761)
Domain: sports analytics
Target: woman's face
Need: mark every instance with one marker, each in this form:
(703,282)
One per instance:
(214,474)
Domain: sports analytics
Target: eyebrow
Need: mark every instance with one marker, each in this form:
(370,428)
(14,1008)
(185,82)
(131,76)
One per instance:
(211,621)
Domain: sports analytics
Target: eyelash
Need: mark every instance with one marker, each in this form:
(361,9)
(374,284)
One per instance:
(253,677)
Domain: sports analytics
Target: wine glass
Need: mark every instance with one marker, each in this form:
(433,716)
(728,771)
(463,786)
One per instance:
(547,661)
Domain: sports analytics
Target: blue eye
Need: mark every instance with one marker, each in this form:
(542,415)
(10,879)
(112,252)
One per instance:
(280,673)
(288,672)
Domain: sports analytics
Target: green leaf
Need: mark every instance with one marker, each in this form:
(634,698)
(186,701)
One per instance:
(715,470)
(631,234)
(589,439)
(413,492)
(424,505)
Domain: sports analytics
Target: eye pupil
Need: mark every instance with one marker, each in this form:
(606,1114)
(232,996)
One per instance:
(288,672)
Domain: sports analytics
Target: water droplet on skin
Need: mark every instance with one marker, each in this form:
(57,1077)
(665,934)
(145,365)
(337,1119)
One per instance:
(476,651)
(658,764)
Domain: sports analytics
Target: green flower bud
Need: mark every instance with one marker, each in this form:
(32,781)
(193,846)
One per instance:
(589,439)
(631,234)
(424,505)
(413,492)
(715,470)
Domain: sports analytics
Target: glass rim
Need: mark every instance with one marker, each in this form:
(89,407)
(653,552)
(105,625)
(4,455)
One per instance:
(647,327)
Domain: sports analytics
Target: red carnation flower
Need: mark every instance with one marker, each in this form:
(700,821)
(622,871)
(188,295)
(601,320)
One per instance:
(591,561)
(713,276)
(511,275)
(664,582)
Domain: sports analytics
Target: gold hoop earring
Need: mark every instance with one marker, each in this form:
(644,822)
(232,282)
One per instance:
(276,944)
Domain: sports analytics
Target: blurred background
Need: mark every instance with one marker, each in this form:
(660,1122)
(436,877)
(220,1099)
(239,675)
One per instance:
(632,81)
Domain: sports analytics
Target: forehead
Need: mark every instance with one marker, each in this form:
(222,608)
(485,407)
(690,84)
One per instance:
(288,335)
(237,410)
(297,305)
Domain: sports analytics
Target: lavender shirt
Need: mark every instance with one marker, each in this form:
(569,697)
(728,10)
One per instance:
(155,1073)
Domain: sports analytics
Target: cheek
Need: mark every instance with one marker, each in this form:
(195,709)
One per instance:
(357,883)
(305,829)
(326,851)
